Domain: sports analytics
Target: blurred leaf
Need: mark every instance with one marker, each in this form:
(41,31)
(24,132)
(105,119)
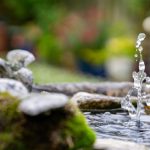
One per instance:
(121,46)
(49,49)
(55,75)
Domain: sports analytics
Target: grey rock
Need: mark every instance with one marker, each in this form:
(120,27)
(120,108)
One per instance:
(25,76)
(118,89)
(96,101)
(36,104)
(15,67)
(20,57)
(15,88)
(110,144)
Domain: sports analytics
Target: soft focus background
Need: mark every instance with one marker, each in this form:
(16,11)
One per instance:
(76,40)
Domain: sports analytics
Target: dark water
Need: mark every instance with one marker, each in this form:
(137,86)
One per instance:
(120,126)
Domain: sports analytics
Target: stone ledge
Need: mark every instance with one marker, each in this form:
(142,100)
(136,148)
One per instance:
(111,144)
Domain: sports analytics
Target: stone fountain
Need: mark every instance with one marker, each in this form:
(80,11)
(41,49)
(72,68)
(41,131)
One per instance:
(48,117)
(36,120)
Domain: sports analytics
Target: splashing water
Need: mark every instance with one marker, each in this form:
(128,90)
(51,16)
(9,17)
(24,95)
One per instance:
(138,77)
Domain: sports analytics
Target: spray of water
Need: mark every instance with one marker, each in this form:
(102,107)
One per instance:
(138,77)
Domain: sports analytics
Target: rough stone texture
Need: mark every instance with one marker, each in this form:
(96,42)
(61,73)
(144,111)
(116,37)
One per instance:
(107,88)
(15,67)
(25,76)
(19,56)
(36,104)
(110,144)
(13,87)
(97,101)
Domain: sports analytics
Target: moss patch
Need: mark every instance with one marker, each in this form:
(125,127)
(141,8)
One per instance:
(77,132)
(9,122)
(8,106)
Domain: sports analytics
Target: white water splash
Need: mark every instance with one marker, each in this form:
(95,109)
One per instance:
(138,77)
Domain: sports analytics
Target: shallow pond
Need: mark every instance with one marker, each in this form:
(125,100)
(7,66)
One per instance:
(118,125)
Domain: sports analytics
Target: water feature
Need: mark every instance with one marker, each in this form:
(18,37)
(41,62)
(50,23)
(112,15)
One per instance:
(118,125)
(131,124)
(139,78)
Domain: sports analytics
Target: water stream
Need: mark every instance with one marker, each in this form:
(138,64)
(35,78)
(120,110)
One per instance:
(139,78)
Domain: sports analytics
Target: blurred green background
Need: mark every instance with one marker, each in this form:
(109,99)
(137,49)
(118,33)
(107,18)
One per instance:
(92,40)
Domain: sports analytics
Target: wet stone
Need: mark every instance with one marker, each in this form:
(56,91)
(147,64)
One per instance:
(15,88)
(95,101)
(110,144)
(36,104)
(25,76)
(21,57)
(15,67)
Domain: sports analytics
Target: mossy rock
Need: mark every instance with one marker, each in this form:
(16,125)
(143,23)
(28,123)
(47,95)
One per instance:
(103,104)
(9,121)
(59,129)
(77,132)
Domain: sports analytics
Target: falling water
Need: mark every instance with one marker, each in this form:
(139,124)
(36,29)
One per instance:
(138,77)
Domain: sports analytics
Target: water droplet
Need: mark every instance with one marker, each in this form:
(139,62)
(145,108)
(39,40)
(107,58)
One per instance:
(134,75)
(140,49)
(136,55)
(138,44)
(141,36)
(141,66)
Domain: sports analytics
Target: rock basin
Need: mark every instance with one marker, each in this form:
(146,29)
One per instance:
(102,111)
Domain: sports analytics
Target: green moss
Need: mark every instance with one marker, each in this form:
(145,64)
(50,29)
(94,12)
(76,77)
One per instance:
(8,106)
(77,132)
(5,138)
(9,123)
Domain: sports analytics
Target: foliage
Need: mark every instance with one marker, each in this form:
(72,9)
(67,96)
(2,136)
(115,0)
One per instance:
(66,26)
(120,46)
(49,49)
(43,12)
(44,73)
(93,52)
(94,57)
(39,9)
(84,33)
(139,7)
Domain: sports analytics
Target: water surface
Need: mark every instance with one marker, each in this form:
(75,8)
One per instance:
(120,126)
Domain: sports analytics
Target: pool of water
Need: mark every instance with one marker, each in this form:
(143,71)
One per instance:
(118,125)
